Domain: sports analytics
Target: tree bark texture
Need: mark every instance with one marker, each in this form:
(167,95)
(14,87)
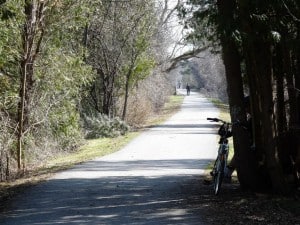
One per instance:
(32,36)
(258,51)
(241,138)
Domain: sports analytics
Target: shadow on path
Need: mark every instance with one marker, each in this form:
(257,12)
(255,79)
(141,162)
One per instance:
(155,179)
(113,199)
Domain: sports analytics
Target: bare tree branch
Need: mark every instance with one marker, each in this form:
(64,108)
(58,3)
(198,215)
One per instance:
(185,56)
(290,13)
(165,15)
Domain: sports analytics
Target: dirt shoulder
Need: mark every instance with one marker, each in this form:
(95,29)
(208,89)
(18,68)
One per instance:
(235,206)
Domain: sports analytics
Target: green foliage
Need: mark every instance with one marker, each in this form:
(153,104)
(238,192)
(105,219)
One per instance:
(59,81)
(103,126)
(144,66)
(59,75)
(65,25)
(5,12)
(10,38)
(141,69)
(200,19)
(119,37)
(64,71)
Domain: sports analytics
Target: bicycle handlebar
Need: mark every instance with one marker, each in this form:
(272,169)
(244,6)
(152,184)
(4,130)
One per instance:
(224,122)
(216,120)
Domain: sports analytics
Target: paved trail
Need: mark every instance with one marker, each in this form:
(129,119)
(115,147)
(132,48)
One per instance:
(150,181)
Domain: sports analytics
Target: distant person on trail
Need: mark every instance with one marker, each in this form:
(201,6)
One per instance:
(188,89)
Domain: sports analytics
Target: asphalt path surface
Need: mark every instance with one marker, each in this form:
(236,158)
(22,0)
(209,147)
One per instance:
(150,181)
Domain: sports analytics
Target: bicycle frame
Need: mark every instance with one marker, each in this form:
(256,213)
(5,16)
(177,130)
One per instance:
(221,160)
(222,153)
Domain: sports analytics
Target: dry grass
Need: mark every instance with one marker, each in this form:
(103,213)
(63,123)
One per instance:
(224,109)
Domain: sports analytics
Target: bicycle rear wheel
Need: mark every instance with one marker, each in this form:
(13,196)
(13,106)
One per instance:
(218,176)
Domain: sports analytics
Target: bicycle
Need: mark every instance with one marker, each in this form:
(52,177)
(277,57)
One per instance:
(221,161)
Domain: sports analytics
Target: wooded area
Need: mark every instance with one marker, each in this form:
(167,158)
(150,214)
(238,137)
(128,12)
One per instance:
(260,48)
(73,69)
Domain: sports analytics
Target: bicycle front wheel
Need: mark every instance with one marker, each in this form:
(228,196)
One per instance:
(218,176)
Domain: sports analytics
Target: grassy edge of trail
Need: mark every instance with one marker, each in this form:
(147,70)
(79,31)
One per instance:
(91,149)
(223,108)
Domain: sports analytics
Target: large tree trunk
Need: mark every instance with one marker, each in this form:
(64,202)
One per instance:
(260,75)
(26,74)
(32,36)
(259,65)
(280,104)
(23,108)
(108,89)
(281,115)
(257,142)
(264,62)
(297,84)
(291,85)
(244,157)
